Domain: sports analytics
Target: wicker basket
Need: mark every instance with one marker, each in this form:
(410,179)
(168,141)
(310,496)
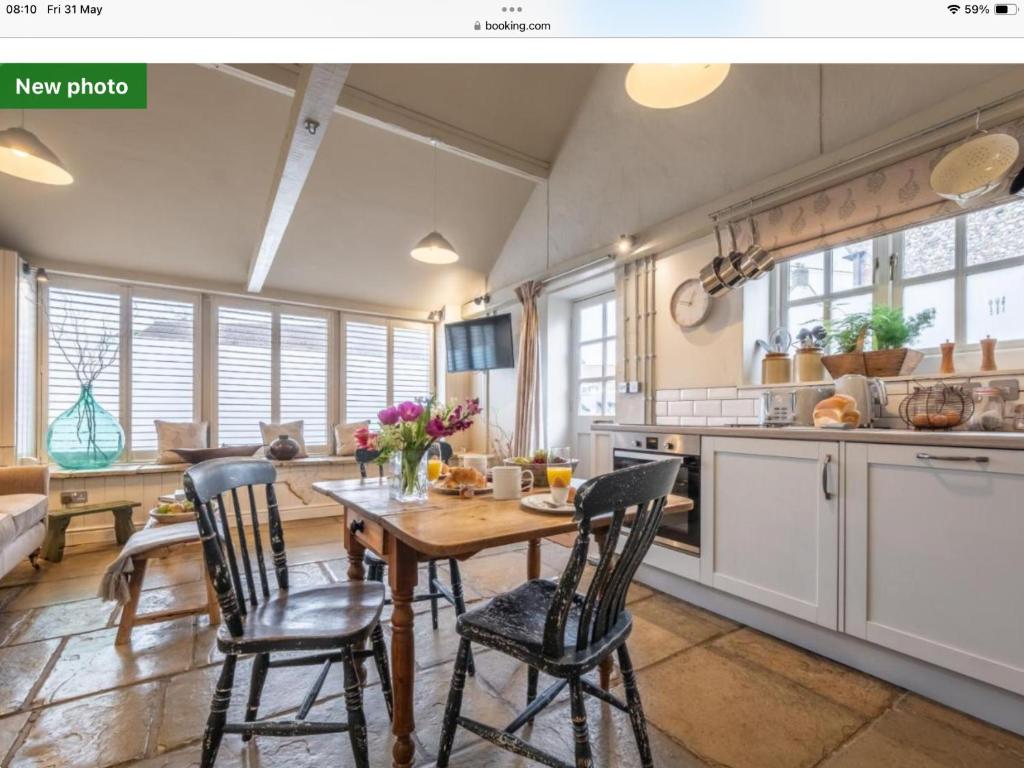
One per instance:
(883,362)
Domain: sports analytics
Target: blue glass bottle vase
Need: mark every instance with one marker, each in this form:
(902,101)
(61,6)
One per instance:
(85,436)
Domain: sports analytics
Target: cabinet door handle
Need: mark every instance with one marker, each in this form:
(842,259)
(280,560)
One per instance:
(932,457)
(824,477)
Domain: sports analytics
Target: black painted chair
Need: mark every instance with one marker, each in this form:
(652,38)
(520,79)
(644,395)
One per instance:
(436,589)
(332,622)
(555,630)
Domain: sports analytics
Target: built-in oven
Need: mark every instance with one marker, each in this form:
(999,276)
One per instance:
(679,530)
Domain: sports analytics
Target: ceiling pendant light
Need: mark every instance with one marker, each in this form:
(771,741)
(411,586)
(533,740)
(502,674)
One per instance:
(434,248)
(23,155)
(667,86)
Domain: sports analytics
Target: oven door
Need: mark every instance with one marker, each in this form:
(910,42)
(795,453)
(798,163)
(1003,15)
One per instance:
(678,530)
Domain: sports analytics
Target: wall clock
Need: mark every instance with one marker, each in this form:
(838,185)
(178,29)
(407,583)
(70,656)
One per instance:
(690,304)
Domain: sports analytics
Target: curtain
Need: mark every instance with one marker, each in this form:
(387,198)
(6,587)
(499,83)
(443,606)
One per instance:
(527,426)
(886,200)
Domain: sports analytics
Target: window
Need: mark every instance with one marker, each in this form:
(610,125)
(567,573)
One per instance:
(967,268)
(827,286)
(163,366)
(594,334)
(386,362)
(272,366)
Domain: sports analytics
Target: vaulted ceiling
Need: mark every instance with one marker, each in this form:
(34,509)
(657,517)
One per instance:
(179,189)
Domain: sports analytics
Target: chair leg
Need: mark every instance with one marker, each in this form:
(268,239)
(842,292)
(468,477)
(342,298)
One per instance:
(454,706)
(376,572)
(432,590)
(636,710)
(33,558)
(380,655)
(218,712)
(581,734)
(532,675)
(460,604)
(354,705)
(260,665)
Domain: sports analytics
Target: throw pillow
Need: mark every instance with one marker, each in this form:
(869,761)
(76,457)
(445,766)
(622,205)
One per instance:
(293,429)
(174,434)
(345,437)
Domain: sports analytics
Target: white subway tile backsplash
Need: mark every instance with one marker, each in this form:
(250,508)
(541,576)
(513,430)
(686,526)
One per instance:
(681,408)
(749,421)
(661,408)
(707,408)
(693,421)
(693,394)
(892,408)
(722,393)
(737,407)
(668,421)
(667,394)
(721,421)
(897,387)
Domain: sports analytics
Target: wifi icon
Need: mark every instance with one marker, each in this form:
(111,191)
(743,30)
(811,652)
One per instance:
(953,9)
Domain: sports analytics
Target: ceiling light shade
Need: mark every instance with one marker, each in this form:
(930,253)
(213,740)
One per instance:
(22,154)
(434,249)
(667,86)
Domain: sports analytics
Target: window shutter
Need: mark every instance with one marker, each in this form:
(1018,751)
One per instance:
(304,375)
(244,369)
(163,367)
(411,370)
(366,370)
(82,322)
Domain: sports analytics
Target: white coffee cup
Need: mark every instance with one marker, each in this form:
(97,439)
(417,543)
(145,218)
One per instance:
(511,482)
(560,495)
(477,461)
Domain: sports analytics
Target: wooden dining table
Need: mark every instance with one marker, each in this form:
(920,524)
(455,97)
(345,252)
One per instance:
(444,526)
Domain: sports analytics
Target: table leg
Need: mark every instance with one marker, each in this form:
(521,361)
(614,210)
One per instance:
(128,611)
(53,543)
(533,560)
(123,525)
(402,574)
(605,670)
(356,572)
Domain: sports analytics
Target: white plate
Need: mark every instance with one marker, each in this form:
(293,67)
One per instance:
(442,488)
(542,502)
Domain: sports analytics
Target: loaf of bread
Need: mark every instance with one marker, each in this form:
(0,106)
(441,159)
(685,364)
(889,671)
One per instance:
(838,409)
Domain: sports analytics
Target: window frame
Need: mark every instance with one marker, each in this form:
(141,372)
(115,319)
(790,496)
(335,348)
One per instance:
(578,306)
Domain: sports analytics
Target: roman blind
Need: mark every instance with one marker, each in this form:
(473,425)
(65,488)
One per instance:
(412,352)
(304,374)
(83,326)
(244,374)
(162,366)
(366,369)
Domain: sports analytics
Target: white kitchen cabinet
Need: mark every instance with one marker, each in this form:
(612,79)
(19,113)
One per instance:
(770,523)
(935,556)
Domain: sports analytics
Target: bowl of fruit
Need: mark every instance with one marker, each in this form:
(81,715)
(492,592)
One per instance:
(538,464)
(174,512)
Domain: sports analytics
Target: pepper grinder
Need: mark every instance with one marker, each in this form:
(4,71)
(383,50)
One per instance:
(988,354)
(946,366)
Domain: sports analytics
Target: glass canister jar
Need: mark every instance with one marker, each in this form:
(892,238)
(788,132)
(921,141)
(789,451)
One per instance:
(988,409)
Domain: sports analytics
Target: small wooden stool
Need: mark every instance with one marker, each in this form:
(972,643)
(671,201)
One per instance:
(130,617)
(58,520)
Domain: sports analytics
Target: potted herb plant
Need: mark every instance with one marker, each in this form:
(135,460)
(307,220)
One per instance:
(890,332)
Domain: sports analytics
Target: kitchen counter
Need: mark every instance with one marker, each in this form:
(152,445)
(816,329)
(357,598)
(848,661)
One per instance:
(953,439)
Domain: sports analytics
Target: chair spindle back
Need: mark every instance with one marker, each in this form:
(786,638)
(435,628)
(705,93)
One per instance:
(206,485)
(644,487)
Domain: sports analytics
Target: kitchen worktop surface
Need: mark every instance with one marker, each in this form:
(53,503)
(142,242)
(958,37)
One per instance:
(952,439)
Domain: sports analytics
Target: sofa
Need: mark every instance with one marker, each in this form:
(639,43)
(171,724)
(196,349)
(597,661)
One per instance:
(24,492)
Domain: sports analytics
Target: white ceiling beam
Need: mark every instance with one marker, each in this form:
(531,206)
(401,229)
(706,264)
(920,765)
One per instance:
(315,96)
(394,118)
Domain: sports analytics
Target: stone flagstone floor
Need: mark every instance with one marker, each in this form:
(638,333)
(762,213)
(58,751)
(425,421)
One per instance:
(716,693)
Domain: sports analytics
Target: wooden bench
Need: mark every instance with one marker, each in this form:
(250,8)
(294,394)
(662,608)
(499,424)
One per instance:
(58,520)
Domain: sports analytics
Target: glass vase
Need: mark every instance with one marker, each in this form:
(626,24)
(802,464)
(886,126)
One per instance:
(85,436)
(409,476)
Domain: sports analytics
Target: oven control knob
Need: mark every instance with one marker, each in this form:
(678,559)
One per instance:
(669,447)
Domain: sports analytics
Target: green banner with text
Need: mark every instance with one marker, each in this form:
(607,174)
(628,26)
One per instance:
(72,86)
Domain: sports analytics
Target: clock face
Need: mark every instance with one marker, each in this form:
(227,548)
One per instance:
(690,304)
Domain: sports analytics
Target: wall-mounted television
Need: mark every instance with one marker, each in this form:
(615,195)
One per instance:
(480,345)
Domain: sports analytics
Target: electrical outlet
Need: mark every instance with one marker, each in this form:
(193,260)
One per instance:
(634,387)
(70,498)
(623,387)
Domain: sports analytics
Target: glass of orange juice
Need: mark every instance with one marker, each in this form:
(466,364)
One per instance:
(434,462)
(559,466)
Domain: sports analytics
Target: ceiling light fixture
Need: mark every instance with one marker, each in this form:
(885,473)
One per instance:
(434,248)
(667,86)
(24,156)
(625,244)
